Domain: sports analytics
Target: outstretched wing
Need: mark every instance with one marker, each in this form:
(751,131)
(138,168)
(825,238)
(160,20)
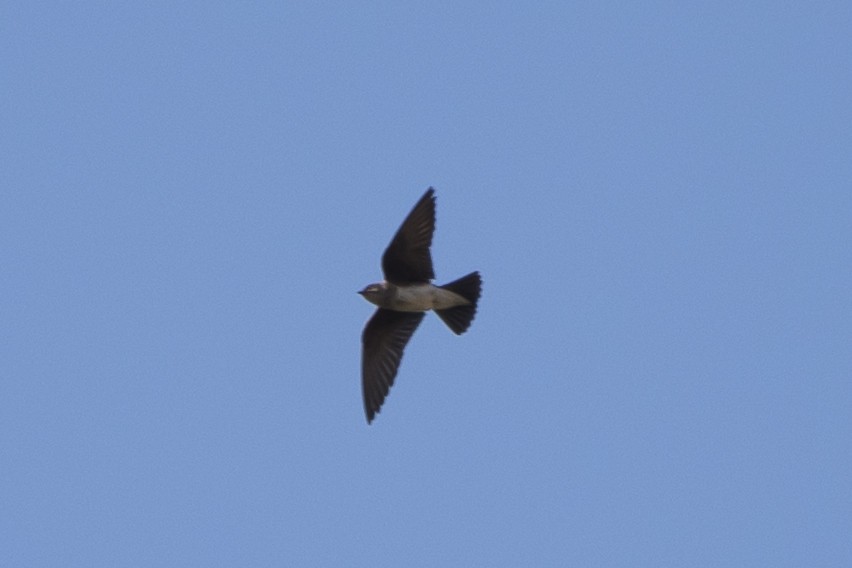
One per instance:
(384,339)
(407,259)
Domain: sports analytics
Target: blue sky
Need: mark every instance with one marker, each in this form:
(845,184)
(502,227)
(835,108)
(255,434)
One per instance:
(658,198)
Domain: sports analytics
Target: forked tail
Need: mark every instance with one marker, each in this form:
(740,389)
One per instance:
(459,318)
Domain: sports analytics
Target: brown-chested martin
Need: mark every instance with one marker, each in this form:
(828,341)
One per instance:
(403,299)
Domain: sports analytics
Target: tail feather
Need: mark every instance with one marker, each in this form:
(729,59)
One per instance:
(459,318)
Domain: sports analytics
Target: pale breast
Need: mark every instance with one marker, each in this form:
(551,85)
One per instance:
(416,298)
(422,297)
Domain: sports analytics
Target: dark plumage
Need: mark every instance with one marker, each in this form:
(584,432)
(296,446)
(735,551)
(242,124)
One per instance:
(403,299)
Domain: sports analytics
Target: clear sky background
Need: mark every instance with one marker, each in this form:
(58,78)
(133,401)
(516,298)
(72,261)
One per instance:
(658,197)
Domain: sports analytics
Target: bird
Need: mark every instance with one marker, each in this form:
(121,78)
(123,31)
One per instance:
(404,297)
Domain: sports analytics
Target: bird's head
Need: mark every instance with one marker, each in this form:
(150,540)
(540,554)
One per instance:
(375,293)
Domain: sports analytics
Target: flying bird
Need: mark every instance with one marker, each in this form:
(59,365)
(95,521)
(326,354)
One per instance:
(404,297)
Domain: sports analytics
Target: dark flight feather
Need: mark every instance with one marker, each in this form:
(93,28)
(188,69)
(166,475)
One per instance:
(383,341)
(407,259)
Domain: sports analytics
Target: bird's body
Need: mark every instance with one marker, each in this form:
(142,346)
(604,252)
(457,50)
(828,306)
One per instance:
(403,298)
(413,298)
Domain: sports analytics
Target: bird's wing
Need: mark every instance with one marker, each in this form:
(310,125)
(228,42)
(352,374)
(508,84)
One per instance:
(407,259)
(384,340)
